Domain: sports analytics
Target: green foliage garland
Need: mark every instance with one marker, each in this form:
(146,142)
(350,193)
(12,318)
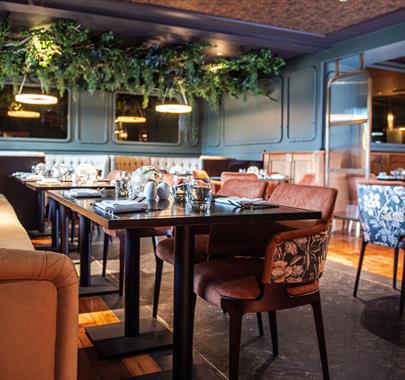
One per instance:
(65,55)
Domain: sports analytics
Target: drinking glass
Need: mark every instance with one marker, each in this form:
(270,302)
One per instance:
(122,184)
(199,194)
(179,188)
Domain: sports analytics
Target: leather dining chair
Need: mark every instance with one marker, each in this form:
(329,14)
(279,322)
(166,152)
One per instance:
(226,176)
(382,216)
(204,244)
(284,273)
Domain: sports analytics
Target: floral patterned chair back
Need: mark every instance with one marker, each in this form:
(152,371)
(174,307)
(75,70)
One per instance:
(299,255)
(382,212)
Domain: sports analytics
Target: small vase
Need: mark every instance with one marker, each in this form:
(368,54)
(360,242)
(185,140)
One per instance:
(150,190)
(163,190)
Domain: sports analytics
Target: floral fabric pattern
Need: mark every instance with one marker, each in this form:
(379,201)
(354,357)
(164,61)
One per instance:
(301,260)
(382,213)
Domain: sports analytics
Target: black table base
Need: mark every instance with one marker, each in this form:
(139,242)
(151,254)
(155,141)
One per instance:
(110,340)
(99,285)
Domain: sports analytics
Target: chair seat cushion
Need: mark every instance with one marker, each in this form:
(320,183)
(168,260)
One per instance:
(165,249)
(235,278)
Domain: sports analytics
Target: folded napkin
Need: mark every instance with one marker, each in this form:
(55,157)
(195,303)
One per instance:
(33,178)
(48,181)
(244,202)
(277,177)
(121,205)
(83,193)
(21,174)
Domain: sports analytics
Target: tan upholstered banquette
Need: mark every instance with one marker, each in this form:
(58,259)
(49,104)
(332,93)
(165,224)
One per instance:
(131,163)
(39,307)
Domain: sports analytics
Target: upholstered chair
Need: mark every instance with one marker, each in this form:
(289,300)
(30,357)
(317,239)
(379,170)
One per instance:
(284,274)
(308,179)
(204,243)
(225,176)
(382,215)
(202,174)
(39,303)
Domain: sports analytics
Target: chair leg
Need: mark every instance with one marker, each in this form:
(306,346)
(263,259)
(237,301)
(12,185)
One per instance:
(158,282)
(72,228)
(235,332)
(274,334)
(105,252)
(260,323)
(122,262)
(317,310)
(356,284)
(402,299)
(396,256)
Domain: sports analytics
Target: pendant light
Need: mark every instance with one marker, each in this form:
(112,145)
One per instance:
(16,110)
(34,98)
(175,107)
(138,118)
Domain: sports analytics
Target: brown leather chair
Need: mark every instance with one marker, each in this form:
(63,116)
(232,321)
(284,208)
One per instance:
(283,275)
(204,244)
(225,176)
(39,315)
(202,174)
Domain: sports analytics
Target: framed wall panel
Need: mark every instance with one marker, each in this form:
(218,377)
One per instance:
(255,121)
(302,105)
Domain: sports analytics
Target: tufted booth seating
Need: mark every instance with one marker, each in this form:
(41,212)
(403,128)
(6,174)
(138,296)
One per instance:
(131,163)
(99,161)
(39,307)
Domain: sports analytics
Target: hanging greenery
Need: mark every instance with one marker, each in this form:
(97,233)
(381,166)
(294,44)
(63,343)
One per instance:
(65,55)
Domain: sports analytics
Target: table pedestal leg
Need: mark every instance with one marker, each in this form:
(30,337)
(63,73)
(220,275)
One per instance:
(134,335)
(64,230)
(41,210)
(54,212)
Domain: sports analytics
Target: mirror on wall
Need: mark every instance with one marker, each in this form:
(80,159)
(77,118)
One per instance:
(132,123)
(32,121)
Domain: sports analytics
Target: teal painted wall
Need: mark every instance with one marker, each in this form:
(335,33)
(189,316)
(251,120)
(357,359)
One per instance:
(295,120)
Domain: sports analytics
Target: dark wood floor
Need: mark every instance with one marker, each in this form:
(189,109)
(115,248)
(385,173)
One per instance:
(343,249)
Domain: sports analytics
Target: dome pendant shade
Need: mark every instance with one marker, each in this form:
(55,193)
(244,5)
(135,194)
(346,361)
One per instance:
(40,99)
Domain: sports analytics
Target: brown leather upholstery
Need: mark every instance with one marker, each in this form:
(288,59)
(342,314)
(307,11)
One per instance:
(12,233)
(271,185)
(39,316)
(235,278)
(165,249)
(308,179)
(225,176)
(200,174)
(245,188)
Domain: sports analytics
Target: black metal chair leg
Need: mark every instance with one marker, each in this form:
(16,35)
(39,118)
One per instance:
(402,298)
(320,332)
(396,257)
(72,227)
(361,257)
(235,330)
(158,282)
(105,252)
(122,266)
(273,329)
(260,323)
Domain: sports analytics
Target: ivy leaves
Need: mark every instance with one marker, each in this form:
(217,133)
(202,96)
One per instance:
(66,55)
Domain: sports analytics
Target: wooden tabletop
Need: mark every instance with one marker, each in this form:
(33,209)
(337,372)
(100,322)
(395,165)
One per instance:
(34,185)
(169,213)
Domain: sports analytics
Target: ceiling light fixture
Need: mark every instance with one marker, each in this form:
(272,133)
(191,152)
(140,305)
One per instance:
(24,114)
(130,119)
(175,108)
(34,98)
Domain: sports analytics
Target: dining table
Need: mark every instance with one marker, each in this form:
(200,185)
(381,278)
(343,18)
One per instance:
(41,188)
(133,334)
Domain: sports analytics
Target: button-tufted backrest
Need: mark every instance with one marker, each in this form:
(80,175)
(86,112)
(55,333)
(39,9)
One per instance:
(188,164)
(129,163)
(100,162)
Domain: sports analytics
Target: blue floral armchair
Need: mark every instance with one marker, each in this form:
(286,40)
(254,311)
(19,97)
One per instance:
(382,217)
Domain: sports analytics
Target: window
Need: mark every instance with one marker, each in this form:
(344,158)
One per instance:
(18,120)
(134,123)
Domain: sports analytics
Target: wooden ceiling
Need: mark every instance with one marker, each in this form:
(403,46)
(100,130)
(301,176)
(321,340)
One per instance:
(324,16)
